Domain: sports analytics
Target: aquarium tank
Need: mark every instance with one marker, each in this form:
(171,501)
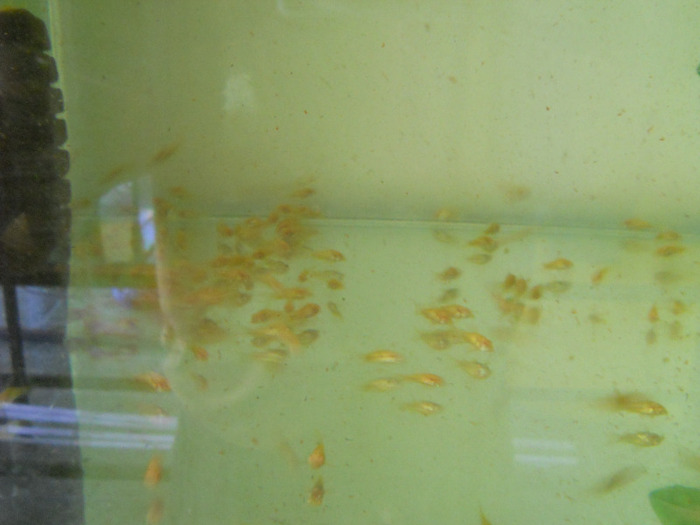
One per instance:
(349,262)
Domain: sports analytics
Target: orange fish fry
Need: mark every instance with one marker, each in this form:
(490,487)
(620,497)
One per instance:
(598,276)
(383,356)
(559,264)
(383,384)
(445,314)
(642,439)
(317,493)
(485,242)
(426,379)
(317,458)
(156,509)
(200,353)
(637,224)
(424,408)
(634,402)
(475,369)
(672,249)
(449,274)
(305,312)
(329,255)
(154,471)
(155,381)
(437,315)
(478,341)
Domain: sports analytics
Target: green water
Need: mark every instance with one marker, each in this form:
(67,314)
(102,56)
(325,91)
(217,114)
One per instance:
(529,444)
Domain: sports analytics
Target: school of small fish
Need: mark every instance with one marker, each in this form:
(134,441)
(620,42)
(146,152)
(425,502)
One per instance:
(253,260)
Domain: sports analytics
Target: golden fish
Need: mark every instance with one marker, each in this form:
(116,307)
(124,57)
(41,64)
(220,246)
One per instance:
(11,393)
(480,258)
(317,458)
(458,311)
(333,309)
(292,294)
(619,479)
(329,255)
(303,193)
(154,471)
(478,341)
(200,353)
(201,382)
(383,356)
(317,493)
(444,237)
(485,242)
(653,314)
(668,235)
(449,274)
(335,284)
(436,315)
(518,284)
(650,337)
(442,339)
(290,229)
(559,264)
(425,379)
(635,403)
(598,276)
(475,369)
(272,357)
(637,224)
(282,292)
(274,266)
(679,307)
(642,439)
(283,334)
(307,337)
(305,312)
(509,281)
(156,509)
(445,214)
(557,286)
(265,315)
(224,230)
(321,275)
(445,314)
(532,314)
(383,384)
(509,306)
(492,228)
(672,249)
(155,381)
(675,330)
(206,330)
(165,153)
(425,408)
(448,295)
(536,292)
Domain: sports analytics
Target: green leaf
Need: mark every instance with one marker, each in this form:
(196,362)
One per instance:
(676,505)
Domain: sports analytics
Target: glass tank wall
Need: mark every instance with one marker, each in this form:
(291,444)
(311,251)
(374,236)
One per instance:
(359,262)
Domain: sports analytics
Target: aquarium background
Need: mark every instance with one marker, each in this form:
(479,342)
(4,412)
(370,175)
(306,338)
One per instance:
(233,162)
(392,110)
